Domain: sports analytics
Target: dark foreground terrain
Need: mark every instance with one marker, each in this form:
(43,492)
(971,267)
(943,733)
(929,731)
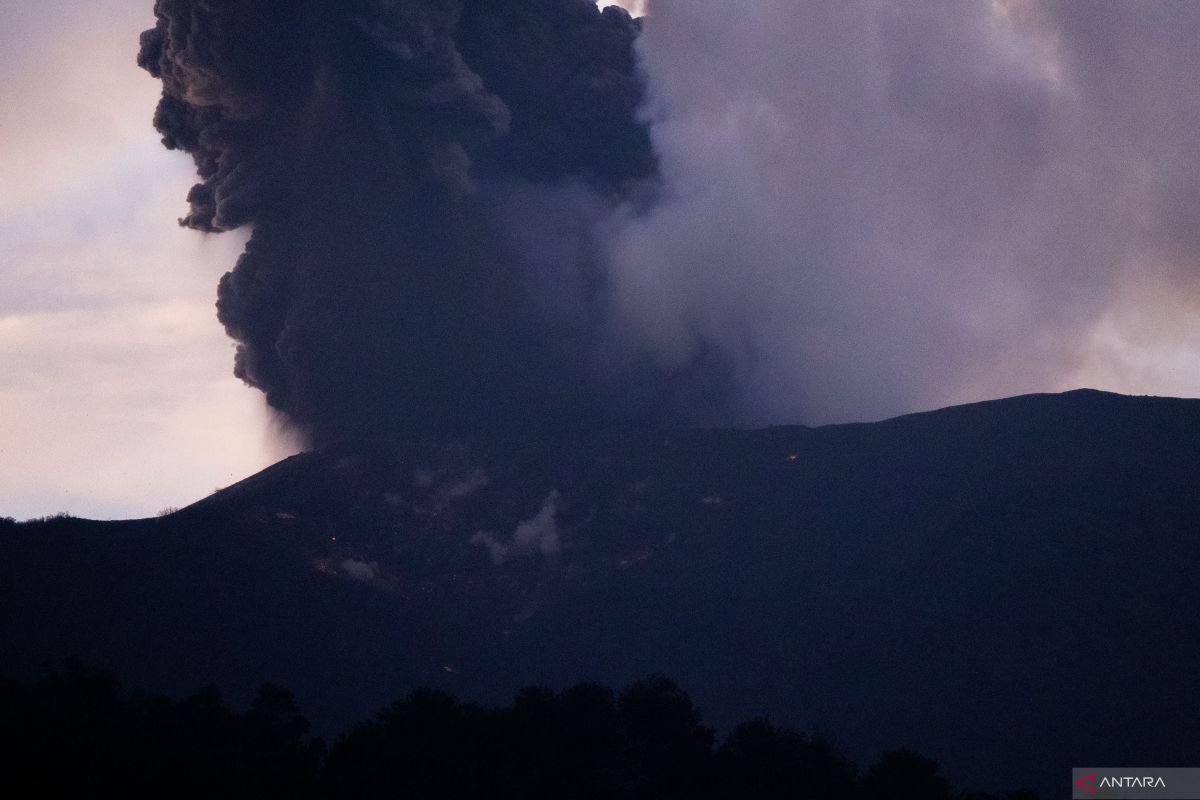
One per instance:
(76,733)
(1009,588)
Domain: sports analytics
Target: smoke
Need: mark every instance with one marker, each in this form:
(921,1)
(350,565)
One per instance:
(539,534)
(426,182)
(875,207)
(519,214)
(360,570)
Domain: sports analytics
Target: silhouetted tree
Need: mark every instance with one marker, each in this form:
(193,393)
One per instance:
(762,761)
(1019,794)
(426,746)
(76,733)
(668,753)
(564,745)
(904,775)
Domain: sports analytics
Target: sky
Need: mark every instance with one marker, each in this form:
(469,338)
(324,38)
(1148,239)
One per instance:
(116,394)
(874,208)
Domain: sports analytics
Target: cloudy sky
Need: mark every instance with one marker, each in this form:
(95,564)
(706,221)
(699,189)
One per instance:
(116,395)
(876,207)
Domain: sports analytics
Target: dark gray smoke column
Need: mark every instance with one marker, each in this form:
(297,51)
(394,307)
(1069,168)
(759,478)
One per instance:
(396,159)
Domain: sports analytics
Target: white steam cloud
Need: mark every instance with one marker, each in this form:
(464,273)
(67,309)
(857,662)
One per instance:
(875,207)
(365,571)
(539,534)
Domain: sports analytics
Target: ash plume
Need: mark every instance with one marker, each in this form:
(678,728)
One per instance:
(506,214)
(426,182)
(884,206)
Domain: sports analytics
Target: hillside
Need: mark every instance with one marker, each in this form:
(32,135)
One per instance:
(1009,587)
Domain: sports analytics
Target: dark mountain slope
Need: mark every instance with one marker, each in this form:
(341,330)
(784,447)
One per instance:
(1010,586)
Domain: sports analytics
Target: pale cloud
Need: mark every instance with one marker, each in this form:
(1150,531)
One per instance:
(73,105)
(878,207)
(365,571)
(122,411)
(1147,343)
(635,7)
(540,534)
(116,392)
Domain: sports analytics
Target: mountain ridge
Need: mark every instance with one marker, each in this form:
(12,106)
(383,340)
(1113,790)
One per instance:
(940,579)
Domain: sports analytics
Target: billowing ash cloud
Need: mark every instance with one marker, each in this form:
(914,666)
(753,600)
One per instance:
(887,205)
(472,213)
(426,182)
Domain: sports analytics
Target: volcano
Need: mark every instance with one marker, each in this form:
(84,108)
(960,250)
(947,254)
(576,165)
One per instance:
(1009,587)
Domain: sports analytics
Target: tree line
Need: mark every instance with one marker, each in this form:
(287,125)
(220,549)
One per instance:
(76,732)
